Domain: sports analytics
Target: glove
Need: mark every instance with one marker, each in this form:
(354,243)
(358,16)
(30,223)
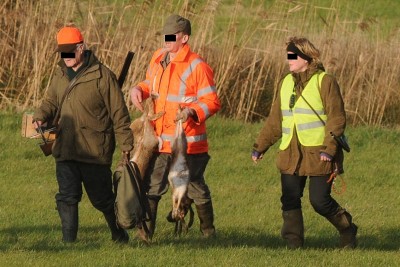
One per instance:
(184,114)
(325,157)
(255,155)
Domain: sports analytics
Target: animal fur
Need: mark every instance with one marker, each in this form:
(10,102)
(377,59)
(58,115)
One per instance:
(145,139)
(178,178)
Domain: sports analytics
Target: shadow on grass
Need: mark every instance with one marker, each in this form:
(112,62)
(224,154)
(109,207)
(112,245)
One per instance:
(252,237)
(48,238)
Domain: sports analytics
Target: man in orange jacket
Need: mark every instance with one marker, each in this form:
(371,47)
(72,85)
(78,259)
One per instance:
(177,77)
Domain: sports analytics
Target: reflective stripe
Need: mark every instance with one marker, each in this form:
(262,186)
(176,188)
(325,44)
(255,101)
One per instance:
(186,74)
(287,112)
(206,90)
(285,130)
(147,82)
(308,111)
(204,107)
(181,99)
(310,125)
(190,139)
(197,138)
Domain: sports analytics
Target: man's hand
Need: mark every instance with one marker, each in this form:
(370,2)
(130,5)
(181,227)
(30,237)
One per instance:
(37,124)
(137,97)
(185,114)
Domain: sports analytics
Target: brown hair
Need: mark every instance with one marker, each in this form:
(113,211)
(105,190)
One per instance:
(308,48)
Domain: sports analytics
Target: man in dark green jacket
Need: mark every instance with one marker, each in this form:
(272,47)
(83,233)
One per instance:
(92,118)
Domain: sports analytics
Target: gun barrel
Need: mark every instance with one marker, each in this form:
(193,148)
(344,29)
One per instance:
(125,68)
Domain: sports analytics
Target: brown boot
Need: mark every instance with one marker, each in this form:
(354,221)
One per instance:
(206,215)
(342,220)
(293,228)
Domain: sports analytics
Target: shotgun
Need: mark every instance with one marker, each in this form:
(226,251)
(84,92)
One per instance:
(125,68)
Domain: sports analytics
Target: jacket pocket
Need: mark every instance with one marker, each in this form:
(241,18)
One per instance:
(314,164)
(283,160)
(91,143)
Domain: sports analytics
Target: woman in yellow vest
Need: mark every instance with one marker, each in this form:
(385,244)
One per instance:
(307,109)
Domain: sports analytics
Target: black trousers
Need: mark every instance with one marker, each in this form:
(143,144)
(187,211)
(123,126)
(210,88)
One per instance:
(96,179)
(319,193)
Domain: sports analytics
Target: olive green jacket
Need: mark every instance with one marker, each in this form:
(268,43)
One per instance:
(298,159)
(92,116)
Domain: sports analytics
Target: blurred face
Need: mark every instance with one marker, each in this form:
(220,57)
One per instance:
(296,63)
(76,61)
(174,46)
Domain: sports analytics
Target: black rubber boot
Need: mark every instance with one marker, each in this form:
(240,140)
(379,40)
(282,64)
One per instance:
(206,215)
(69,220)
(118,234)
(343,222)
(293,228)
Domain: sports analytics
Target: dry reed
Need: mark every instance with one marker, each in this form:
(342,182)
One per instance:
(244,45)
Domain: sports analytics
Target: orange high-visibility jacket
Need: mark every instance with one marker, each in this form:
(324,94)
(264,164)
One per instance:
(187,81)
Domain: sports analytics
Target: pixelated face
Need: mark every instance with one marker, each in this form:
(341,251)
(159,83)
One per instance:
(296,63)
(73,59)
(174,42)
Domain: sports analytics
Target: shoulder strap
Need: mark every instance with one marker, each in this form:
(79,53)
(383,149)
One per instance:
(66,92)
(305,100)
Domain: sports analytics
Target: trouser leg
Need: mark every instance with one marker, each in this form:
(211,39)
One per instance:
(199,192)
(325,205)
(293,227)
(98,184)
(117,234)
(153,206)
(67,198)
(156,185)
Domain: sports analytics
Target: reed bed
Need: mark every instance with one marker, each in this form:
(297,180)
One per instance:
(244,43)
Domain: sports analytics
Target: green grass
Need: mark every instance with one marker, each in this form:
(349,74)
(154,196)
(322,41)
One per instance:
(247,209)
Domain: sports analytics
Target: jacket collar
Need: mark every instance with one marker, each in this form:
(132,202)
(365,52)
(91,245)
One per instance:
(302,78)
(90,58)
(180,57)
(92,62)
(182,54)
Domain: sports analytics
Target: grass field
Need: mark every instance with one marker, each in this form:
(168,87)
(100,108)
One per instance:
(247,209)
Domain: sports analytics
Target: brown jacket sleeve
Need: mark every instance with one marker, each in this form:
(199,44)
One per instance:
(116,106)
(334,109)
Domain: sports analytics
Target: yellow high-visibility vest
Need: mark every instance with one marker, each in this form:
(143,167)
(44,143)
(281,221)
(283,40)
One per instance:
(310,129)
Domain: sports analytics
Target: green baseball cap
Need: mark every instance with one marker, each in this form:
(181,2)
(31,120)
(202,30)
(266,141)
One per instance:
(175,24)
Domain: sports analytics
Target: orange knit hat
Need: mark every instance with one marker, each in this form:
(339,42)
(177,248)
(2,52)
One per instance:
(67,38)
